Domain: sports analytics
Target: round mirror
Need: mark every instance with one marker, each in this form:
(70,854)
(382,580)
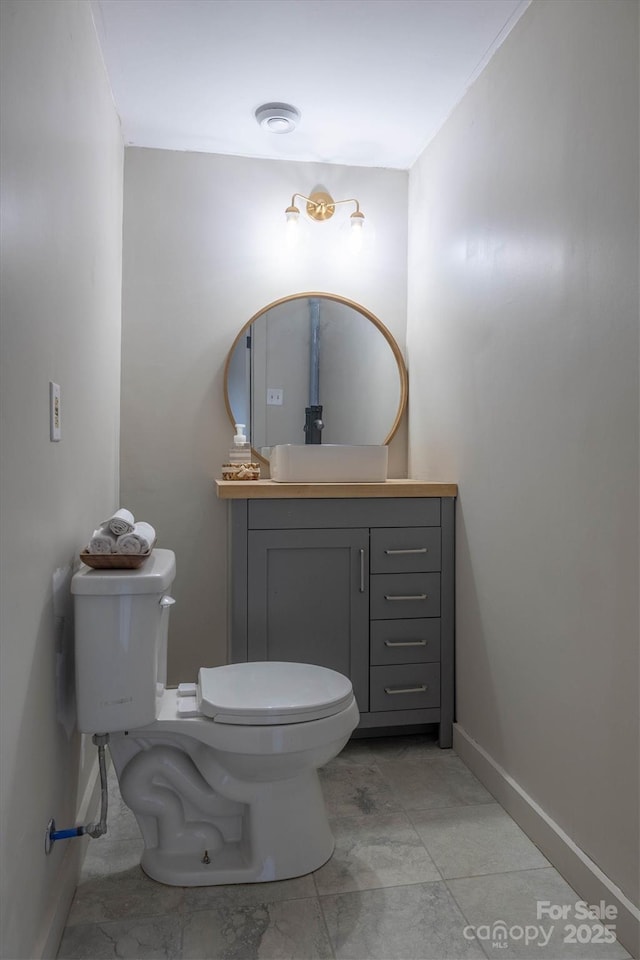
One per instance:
(315,368)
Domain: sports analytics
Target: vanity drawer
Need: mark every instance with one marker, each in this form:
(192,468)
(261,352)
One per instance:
(405,641)
(405,549)
(408,686)
(295,514)
(398,596)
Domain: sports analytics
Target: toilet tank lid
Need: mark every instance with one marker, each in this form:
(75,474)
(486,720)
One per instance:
(154,576)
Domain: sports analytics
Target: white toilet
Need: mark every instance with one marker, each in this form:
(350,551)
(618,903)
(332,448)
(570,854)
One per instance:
(221,775)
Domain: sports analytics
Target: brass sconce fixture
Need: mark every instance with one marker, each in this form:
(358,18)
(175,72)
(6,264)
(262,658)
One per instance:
(322,206)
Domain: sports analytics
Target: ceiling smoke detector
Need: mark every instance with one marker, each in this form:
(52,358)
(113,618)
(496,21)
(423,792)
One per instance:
(277,117)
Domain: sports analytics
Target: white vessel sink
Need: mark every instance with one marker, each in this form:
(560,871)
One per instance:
(328,463)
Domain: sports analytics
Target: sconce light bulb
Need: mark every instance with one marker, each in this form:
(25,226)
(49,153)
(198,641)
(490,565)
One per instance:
(292,226)
(356,231)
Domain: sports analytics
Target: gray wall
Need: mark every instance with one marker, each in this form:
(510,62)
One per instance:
(523,328)
(204,250)
(62,160)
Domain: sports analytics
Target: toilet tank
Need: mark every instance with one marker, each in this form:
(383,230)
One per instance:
(121,629)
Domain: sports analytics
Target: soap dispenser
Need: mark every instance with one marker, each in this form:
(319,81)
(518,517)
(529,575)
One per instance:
(240,465)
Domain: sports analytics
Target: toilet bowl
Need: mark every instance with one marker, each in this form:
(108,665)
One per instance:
(221,775)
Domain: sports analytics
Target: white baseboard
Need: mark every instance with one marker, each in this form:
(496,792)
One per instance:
(580,872)
(69,873)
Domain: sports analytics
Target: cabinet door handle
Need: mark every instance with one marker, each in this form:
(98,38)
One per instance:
(361,570)
(393,690)
(393,553)
(414,596)
(405,643)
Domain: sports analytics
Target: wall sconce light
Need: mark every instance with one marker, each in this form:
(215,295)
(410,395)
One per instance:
(322,206)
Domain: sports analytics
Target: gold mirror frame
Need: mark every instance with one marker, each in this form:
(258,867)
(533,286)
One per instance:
(377,323)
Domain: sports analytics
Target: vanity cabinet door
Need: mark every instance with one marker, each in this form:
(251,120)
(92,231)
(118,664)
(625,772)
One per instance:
(308,600)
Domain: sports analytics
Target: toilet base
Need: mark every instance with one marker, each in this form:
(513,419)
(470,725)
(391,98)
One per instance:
(288,835)
(275,831)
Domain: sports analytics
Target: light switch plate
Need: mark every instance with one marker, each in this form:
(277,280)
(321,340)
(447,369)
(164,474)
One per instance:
(55,426)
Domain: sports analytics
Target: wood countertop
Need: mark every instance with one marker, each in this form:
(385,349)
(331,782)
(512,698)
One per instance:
(272,490)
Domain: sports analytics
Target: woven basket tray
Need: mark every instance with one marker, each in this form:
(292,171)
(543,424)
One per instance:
(114,561)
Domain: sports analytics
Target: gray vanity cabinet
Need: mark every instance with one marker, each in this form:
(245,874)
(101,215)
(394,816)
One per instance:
(364,586)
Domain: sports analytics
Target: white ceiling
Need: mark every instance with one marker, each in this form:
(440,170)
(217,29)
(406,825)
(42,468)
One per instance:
(373,79)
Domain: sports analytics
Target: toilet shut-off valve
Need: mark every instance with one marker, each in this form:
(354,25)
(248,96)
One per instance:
(93,830)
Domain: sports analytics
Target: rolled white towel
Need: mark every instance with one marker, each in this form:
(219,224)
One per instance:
(121,522)
(140,540)
(102,541)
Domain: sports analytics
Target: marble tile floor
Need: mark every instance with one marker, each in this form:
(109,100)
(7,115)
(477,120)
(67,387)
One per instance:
(427,866)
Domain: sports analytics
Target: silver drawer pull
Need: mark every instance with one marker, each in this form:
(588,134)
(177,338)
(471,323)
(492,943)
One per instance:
(405,643)
(393,690)
(361,570)
(414,596)
(393,553)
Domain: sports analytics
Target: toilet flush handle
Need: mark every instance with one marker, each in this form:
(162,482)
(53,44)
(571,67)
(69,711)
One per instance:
(167,601)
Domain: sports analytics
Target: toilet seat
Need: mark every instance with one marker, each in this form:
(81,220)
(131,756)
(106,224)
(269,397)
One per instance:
(271,692)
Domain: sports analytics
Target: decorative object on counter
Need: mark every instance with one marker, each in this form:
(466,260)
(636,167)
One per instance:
(240,465)
(241,471)
(119,543)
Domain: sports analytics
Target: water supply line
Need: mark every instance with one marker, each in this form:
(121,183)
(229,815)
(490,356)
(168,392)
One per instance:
(93,830)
